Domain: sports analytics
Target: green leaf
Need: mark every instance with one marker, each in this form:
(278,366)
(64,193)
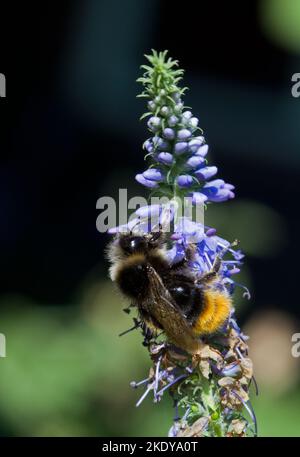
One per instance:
(145,115)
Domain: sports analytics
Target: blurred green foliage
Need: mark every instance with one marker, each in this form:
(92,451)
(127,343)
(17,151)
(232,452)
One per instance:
(68,373)
(280,21)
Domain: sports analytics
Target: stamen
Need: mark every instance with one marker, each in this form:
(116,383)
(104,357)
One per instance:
(208,260)
(150,387)
(231,262)
(157,376)
(239,353)
(171,383)
(134,384)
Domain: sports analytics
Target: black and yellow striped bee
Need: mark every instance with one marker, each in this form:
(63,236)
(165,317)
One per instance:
(168,297)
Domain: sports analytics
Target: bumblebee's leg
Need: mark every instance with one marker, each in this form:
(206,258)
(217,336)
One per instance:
(189,255)
(149,320)
(211,275)
(137,324)
(178,265)
(150,326)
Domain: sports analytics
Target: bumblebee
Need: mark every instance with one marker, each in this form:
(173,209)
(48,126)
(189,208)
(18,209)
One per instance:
(170,298)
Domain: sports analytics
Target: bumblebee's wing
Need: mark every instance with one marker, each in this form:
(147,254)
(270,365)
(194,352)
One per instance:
(160,302)
(163,308)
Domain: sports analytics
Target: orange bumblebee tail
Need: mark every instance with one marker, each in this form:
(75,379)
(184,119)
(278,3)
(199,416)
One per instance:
(216,309)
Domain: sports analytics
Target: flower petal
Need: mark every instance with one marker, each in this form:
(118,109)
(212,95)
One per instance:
(166,158)
(153,174)
(146,182)
(202,150)
(184,134)
(181,147)
(198,198)
(206,173)
(195,162)
(184,180)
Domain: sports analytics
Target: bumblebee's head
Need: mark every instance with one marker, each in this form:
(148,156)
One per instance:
(131,244)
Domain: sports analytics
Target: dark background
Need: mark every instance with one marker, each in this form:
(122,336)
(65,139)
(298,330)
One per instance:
(70,134)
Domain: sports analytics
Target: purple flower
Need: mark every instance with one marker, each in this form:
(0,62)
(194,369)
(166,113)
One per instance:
(206,173)
(232,370)
(154,123)
(165,157)
(211,231)
(186,115)
(146,182)
(193,122)
(184,134)
(218,191)
(208,247)
(169,133)
(195,162)
(184,180)
(202,150)
(181,147)
(186,231)
(172,121)
(153,174)
(214,185)
(222,196)
(233,271)
(149,210)
(195,143)
(198,198)
(148,145)
(160,143)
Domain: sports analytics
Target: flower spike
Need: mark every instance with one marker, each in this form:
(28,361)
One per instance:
(209,381)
